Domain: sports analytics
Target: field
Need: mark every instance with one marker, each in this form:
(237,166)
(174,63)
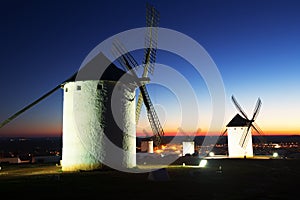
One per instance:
(238,179)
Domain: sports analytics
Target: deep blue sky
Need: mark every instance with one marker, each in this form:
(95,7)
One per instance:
(255,45)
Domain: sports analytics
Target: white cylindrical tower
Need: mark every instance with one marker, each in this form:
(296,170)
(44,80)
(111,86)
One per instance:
(147,146)
(150,146)
(99,120)
(188,147)
(88,119)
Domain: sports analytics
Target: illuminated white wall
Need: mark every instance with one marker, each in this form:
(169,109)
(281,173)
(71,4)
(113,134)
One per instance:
(188,147)
(234,149)
(147,146)
(87,119)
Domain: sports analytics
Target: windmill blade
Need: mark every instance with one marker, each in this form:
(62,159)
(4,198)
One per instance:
(138,107)
(34,103)
(152,21)
(152,18)
(261,138)
(127,61)
(119,58)
(123,56)
(256,110)
(244,138)
(239,107)
(224,132)
(152,116)
(131,64)
(29,106)
(260,133)
(257,128)
(220,137)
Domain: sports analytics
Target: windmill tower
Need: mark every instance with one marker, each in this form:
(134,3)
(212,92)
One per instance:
(239,132)
(89,128)
(88,122)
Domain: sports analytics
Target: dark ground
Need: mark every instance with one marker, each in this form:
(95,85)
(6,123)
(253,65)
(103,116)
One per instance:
(239,179)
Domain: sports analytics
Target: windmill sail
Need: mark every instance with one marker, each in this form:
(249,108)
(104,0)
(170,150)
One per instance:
(239,108)
(9,119)
(244,139)
(255,113)
(152,20)
(129,62)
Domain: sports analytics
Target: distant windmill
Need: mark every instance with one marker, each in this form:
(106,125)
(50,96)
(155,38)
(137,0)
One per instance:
(129,63)
(239,131)
(88,120)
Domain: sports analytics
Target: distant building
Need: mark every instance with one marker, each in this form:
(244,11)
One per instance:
(188,147)
(147,146)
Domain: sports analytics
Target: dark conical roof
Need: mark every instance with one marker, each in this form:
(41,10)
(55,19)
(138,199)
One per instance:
(101,68)
(238,120)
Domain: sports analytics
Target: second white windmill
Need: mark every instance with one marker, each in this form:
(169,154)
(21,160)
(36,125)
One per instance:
(239,133)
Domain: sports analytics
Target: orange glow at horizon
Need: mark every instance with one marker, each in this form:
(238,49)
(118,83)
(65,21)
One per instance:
(27,130)
(203,133)
(45,130)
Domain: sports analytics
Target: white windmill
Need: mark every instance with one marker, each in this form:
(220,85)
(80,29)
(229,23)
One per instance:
(239,133)
(89,127)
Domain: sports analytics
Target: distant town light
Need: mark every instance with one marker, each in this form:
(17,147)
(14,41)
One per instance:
(275,154)
(277,146)
(202,163)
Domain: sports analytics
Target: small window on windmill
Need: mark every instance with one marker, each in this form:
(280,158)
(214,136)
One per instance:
(99,86)
(234,128)
(78,87)
(66,90)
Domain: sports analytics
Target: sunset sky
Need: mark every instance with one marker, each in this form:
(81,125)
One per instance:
(255,45)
